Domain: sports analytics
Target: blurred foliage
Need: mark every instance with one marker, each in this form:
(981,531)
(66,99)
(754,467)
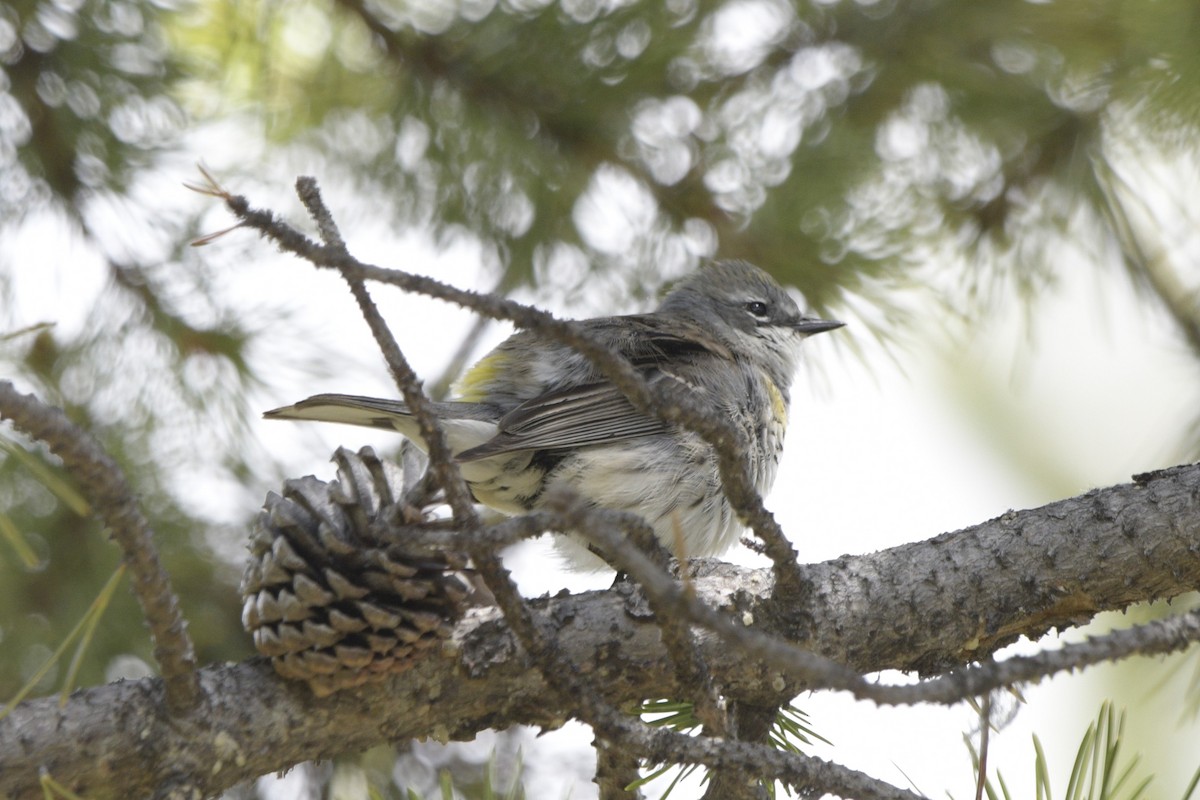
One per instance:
(838,144)
(865,152)
(88,107)
(85,99)
(1100,771)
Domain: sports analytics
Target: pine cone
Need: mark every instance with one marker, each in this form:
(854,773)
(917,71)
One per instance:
(336,600)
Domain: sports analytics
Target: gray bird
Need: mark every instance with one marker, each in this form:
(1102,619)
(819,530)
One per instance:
(534,413)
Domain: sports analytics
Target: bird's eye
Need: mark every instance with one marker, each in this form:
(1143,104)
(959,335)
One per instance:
(757,308)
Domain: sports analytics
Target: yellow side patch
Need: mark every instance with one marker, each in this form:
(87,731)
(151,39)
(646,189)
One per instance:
(778,406)
(473,386)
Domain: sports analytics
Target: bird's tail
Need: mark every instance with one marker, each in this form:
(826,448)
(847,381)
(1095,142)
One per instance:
(467,424)
(371,412)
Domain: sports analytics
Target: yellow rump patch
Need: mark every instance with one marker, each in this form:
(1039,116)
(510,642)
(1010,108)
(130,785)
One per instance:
(473,386)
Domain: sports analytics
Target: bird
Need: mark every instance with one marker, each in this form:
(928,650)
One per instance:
(533,413)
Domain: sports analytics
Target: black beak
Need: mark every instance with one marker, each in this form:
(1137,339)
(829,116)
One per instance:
(810,325)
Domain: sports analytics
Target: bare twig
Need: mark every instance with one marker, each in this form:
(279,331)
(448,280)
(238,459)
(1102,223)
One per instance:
(517,613)
(441,460)
(625,535)
(104,484)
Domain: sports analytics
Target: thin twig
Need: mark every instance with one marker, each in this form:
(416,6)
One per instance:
(441,461)
(806,775)
(630,533)
(105,486)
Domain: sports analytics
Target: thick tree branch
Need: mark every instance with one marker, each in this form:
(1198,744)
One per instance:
(104,485)
(675,602)
(1020,574)
(926,606)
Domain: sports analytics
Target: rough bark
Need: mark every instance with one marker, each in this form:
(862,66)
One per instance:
(926,606)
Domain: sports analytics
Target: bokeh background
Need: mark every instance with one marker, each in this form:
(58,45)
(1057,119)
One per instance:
(1000,197)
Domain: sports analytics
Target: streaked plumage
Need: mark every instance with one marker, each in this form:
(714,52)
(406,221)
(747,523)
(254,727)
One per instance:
(533,412)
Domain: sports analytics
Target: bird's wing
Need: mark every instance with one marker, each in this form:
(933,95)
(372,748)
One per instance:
(649,340)
(576,417)
(596,412)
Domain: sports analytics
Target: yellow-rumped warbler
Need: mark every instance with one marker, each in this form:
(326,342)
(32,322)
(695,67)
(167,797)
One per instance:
(533,413)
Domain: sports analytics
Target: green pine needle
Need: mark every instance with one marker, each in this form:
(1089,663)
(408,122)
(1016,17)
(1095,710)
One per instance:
(52,789)
(85,628)
(48,478)
(1099,772)
(789,731)
(17,541)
